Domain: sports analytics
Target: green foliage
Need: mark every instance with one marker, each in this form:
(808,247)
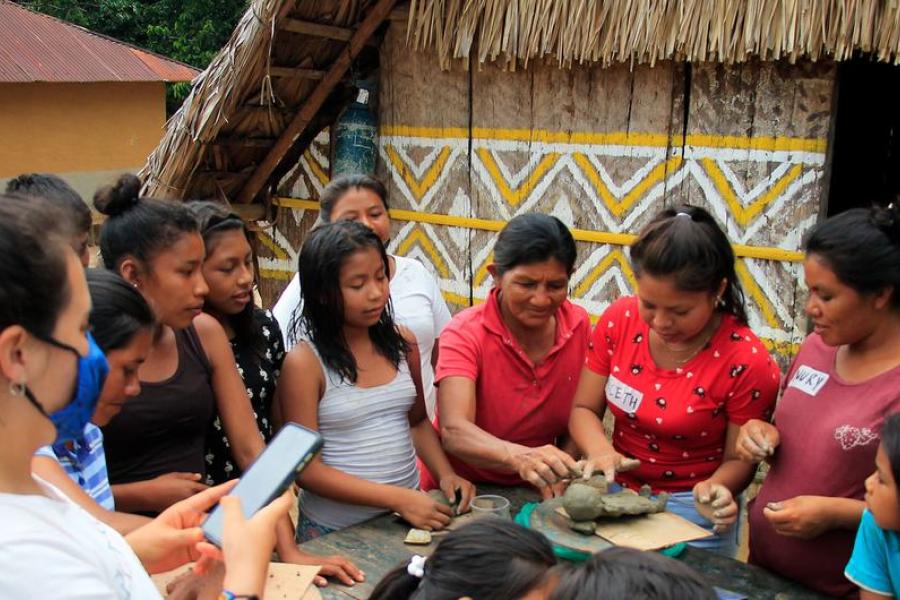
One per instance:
(191,31)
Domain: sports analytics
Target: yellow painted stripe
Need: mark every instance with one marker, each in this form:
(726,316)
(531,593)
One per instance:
(742,214)
(437,260)
(266,240)
(316,168)
(454,298)
(581,235)
(616,138)
(418,188)
(515,196)
(276,274)
(750,287)
(602,267)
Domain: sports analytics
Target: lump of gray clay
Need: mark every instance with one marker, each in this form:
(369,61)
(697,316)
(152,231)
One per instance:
(586,503)
(585,527)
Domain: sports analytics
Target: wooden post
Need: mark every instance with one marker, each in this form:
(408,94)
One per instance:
(315,100)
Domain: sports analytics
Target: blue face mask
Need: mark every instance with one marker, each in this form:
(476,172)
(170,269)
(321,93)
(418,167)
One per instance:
(93,368)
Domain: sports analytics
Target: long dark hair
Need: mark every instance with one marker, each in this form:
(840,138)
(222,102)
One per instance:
(342,184)
(138,227)
(488,559)
(862,247)
(321,257)
(214,219)
(686,244)
(118,310)
(533,238)
(629,573)
(34,287)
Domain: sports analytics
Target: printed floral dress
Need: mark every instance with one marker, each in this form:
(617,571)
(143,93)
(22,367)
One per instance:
(260,371)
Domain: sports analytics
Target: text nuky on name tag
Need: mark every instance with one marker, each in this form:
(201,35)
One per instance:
(809,380)
(622,395)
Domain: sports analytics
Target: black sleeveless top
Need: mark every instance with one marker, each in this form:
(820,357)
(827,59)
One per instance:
(163,429)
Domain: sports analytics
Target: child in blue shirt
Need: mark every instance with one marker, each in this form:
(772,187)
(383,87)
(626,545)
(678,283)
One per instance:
(875,563)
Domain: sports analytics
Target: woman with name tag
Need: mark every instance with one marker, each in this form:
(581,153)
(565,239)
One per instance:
(840,387)
(680,371)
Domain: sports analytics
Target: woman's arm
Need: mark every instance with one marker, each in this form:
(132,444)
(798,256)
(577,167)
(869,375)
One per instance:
(299,390)
(426,441)
(158,494)
(51,471)
(231,396)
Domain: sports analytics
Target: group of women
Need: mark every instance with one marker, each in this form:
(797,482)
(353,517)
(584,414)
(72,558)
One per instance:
(511,390)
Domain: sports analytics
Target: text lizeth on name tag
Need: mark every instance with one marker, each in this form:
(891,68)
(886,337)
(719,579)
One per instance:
(622,395)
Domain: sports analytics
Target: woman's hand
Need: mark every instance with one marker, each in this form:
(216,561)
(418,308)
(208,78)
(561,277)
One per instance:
(335,566)
(803,517)
(542,466)
(716,504)
(168,489)
(248,543)
(609,463)
(450,484)
(422,511)
(756,441)
(174,537)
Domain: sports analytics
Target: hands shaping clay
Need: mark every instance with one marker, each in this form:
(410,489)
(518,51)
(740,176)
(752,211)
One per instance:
(586,501)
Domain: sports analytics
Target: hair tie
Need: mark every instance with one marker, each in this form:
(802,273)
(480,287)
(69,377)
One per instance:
(683,214)
(416,566)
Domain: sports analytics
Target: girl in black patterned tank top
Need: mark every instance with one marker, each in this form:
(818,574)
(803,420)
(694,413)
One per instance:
(259,351)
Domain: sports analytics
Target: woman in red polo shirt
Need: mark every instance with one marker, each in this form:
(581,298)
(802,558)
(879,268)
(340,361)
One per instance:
(680,371)
(508,368)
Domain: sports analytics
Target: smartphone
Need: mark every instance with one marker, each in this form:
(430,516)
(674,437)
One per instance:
(269,475)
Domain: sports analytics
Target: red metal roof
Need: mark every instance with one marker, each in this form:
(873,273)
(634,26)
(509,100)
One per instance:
(37,47)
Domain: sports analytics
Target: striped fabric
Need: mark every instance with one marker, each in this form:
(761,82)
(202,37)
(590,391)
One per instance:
(85,463)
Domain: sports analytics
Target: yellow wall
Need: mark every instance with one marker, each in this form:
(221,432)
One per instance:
(78,127)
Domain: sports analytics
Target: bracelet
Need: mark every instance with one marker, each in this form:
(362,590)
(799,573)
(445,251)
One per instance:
(226,595)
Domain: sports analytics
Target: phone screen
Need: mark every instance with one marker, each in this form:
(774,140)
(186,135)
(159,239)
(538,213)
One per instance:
(269,475)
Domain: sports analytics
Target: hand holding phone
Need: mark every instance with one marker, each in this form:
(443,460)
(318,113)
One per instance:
(269,476)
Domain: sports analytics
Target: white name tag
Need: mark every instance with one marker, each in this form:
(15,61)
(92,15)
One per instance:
(806,379)
(622,395)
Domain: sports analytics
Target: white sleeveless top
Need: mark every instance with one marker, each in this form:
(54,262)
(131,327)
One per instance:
(366,433)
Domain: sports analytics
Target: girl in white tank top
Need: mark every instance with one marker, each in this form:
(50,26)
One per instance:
(357,380)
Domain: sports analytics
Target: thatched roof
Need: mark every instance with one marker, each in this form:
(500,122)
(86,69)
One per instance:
(644,31)
(242,107)
(238,130)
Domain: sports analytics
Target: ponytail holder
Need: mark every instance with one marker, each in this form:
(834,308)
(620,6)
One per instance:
(683,214)
(416,566)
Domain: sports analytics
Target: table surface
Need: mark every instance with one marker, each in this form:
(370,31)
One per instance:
(377,547)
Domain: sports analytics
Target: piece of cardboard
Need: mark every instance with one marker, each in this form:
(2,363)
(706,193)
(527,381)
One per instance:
(647,532)
(285,582)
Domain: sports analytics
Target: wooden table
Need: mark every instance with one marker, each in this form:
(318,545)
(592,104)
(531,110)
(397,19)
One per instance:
(377,546)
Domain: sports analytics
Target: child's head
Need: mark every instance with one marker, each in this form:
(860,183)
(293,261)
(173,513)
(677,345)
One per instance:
(359,198)
(628,573)
(881,486)
(343,271)
(61,194)
(488,559)
(156,246)
(122,323)
(228,265)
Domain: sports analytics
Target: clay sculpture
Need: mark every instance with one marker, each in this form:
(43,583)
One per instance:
(587,501)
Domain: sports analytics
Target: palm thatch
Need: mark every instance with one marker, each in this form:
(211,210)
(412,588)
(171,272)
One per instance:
(244,100)
(645,31)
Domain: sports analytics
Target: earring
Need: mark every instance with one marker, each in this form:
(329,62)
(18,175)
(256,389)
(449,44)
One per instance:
(16,389)
(720,302)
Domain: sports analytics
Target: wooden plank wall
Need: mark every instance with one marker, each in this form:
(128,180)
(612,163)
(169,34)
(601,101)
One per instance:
(462,152)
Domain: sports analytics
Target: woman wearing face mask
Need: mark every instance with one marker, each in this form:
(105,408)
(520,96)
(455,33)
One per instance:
(508,367)
(843,383)
(155,445)
(415,296)
(50,366)
(680,371)
(259,351)
(122,324)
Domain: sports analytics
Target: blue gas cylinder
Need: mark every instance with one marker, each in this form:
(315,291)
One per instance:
(355,133)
